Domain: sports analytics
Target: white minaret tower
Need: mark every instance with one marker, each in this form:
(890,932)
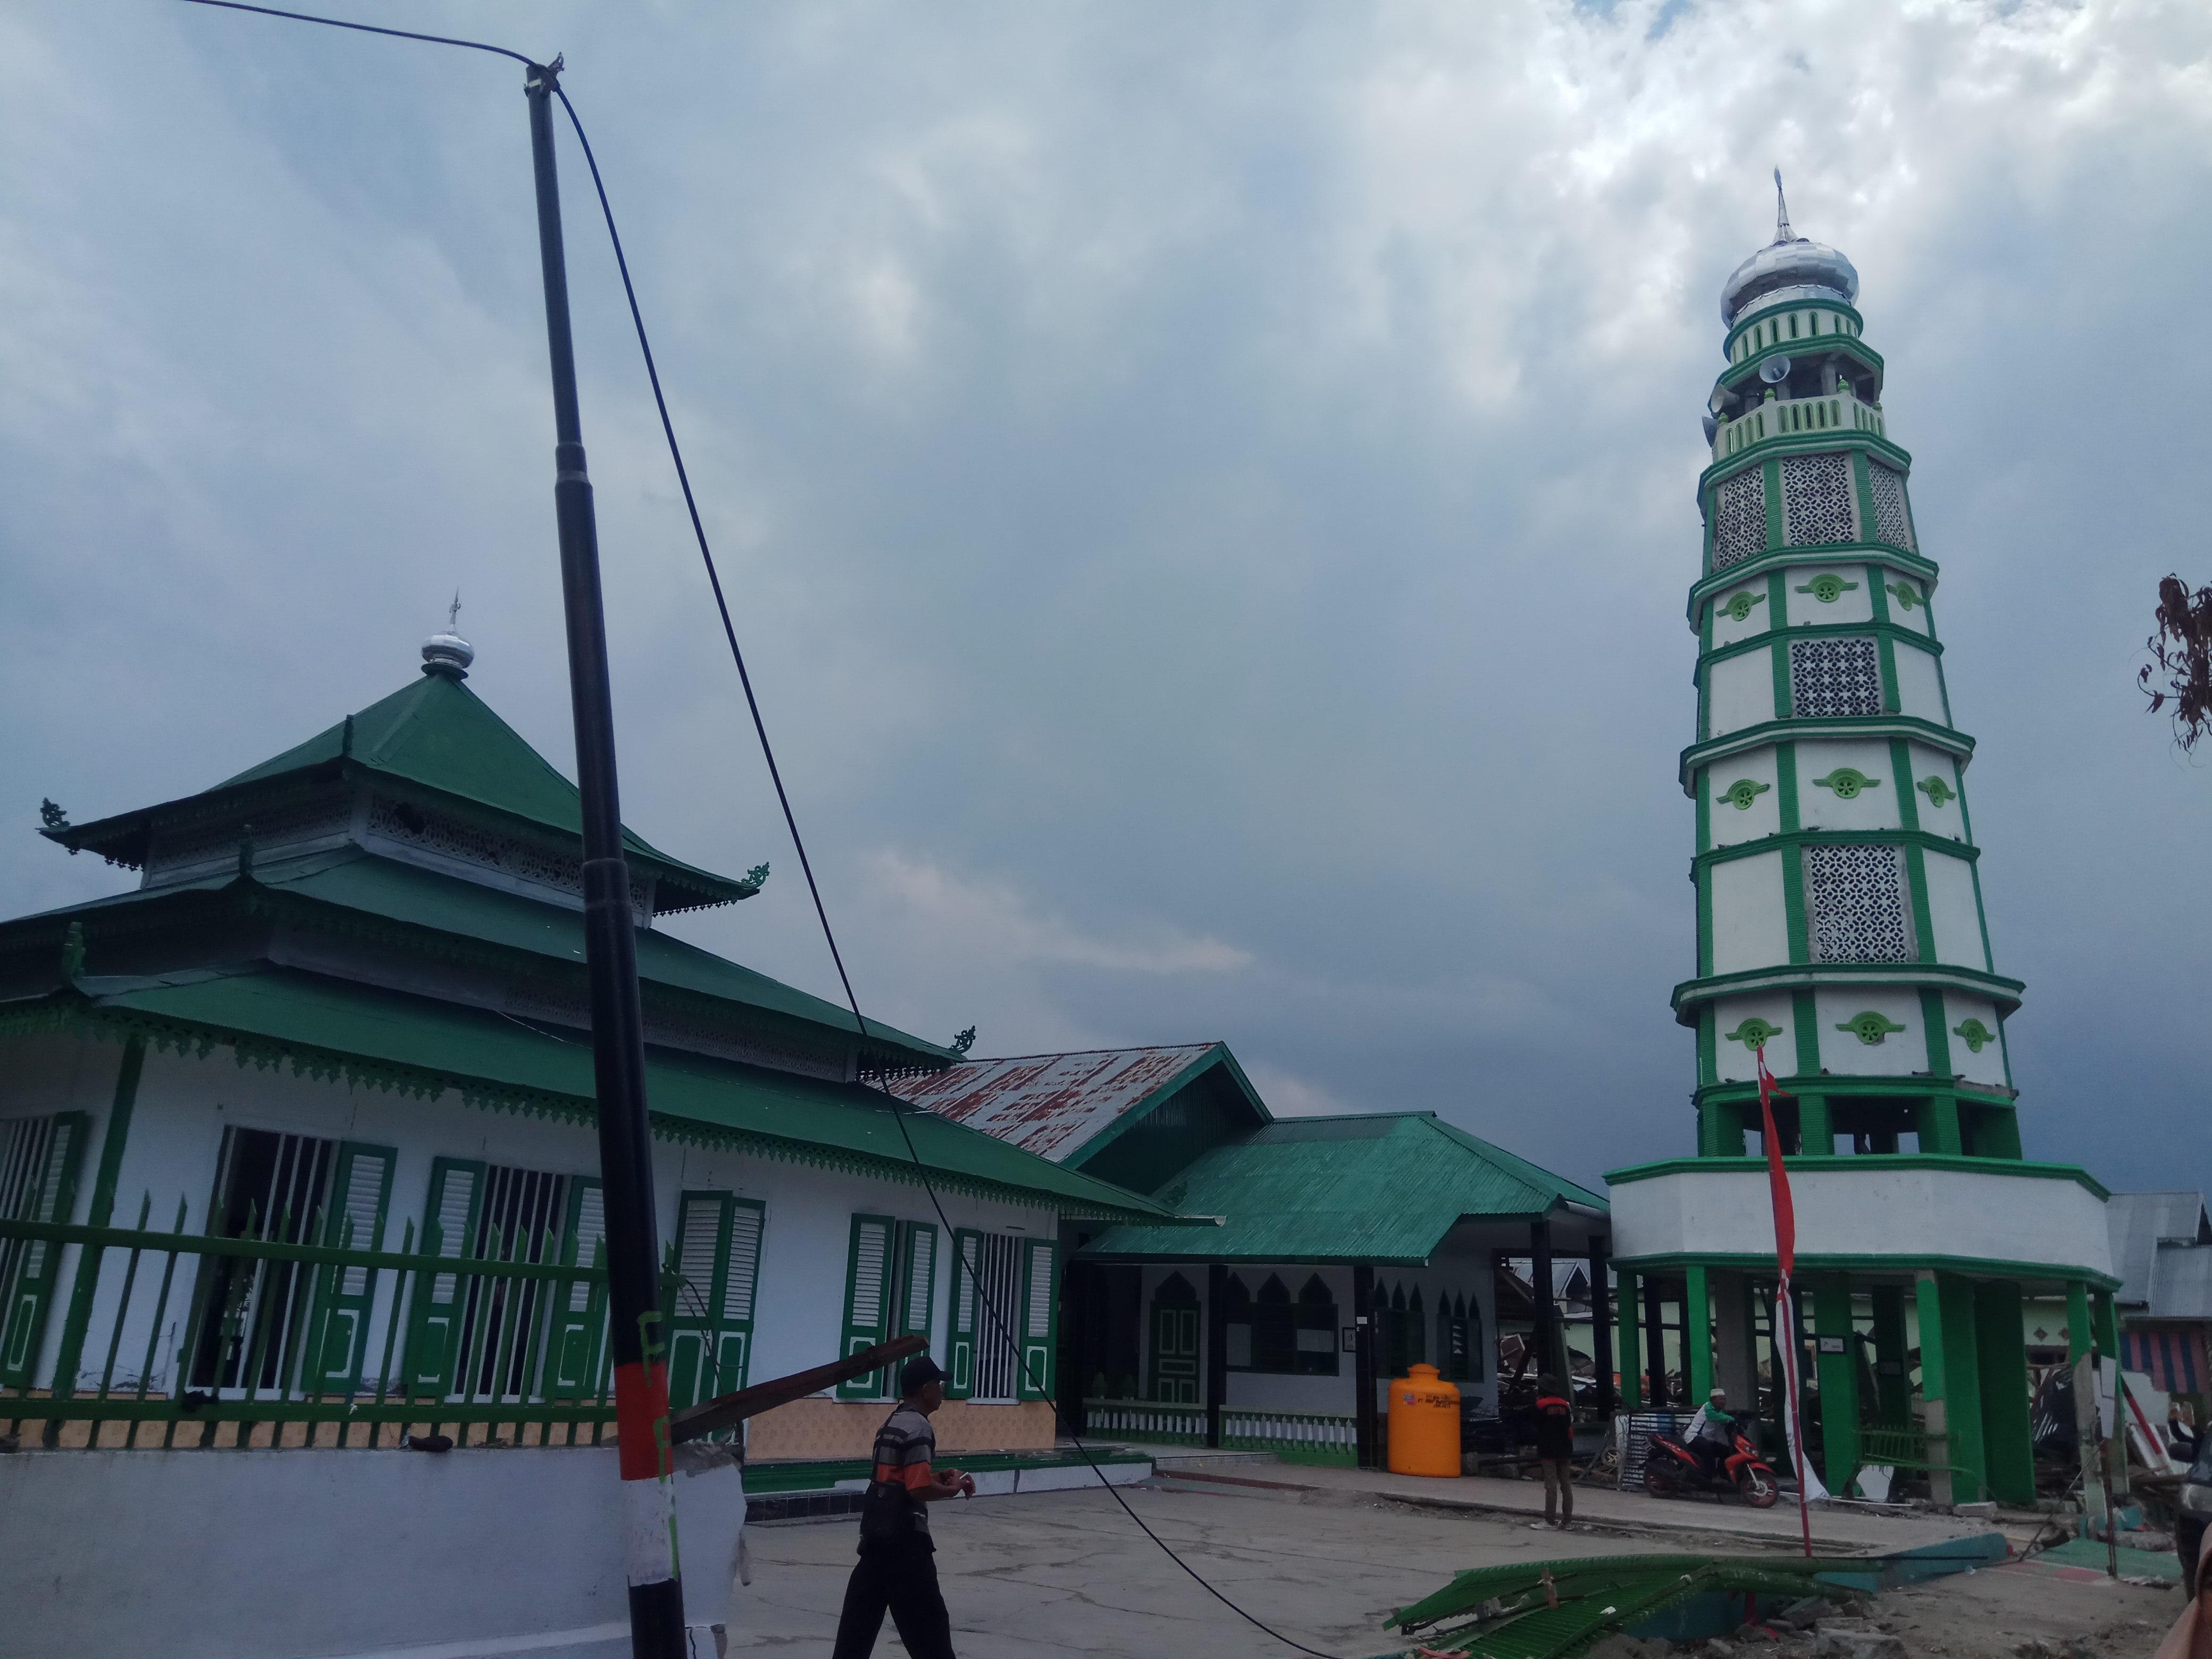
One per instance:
(1840,925)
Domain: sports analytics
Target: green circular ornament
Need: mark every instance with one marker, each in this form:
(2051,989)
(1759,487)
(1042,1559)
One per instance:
(1740,793)
(1869,1027)
(1754,1033)
(1827,589)
(1847,781)
(1976,1034)
(1739,608)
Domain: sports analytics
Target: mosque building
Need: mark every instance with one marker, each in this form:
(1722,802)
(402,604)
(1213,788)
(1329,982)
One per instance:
(1841,931)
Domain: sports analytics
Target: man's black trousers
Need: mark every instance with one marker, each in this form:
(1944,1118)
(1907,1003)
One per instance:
(902,1577)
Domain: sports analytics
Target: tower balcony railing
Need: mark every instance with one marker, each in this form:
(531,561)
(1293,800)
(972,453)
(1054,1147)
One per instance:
(1791,418)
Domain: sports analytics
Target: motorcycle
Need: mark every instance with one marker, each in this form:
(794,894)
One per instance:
(1671,1469)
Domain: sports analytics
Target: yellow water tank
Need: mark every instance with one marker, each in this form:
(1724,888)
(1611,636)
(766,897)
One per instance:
(1424,1424)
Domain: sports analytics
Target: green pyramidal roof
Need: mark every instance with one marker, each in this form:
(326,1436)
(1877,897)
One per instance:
(439,736)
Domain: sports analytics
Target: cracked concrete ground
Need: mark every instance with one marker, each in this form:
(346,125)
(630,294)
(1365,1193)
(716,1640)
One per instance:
(1066,1573)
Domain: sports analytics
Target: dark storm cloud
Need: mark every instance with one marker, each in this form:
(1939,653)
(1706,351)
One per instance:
(1208,492)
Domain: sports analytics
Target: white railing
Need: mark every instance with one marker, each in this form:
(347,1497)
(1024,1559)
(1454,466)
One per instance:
(1789,418)
(1321,1437)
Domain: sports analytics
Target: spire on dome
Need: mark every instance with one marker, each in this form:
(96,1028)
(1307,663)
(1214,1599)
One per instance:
(448,653)
(1782,231)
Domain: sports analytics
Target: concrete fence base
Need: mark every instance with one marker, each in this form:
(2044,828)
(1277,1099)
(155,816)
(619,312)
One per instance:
(316,1554)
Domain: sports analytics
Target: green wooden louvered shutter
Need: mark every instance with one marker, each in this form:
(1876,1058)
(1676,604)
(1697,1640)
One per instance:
(917,1279)
(1039,1316)
(337,1341)
(48,1194)
(702,1222)
(740,1282)
(960,1314)
(575,1334)
(867,1298)
(449,1230)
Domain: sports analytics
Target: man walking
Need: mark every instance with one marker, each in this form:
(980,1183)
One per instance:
(1555,1451)
(898,1564)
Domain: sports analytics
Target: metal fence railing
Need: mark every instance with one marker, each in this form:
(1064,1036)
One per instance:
(202,1340)
(1297,1436)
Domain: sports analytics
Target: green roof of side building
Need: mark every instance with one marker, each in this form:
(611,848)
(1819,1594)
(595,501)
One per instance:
(1385,1186)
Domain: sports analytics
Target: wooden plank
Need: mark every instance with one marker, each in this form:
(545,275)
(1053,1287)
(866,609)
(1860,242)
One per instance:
(695,1422)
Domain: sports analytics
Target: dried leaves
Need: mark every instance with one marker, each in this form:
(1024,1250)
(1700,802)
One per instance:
(2181,652)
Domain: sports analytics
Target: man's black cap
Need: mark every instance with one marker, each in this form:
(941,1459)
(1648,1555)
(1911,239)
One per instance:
(918,1374)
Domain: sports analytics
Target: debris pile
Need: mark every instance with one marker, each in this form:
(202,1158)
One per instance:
(1564,1609)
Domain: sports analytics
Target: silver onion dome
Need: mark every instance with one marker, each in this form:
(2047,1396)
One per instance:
(1790,267)
(445,652)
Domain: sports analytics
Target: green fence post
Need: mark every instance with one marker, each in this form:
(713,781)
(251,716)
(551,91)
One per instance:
(1838,1370)
(2008,1442)
(69,1358)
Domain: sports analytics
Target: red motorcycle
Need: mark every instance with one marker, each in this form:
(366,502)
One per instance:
(1671,1469)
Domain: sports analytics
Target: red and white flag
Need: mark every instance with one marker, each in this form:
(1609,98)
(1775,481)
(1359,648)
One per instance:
(1787,1337)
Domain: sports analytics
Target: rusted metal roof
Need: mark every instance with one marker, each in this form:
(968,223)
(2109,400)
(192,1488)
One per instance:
(1052,1105)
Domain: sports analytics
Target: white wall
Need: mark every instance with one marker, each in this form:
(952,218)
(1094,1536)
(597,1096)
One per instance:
(1875,807)
(1898,1054)
(1915,619)
(1987,1066)
(1919,684)
(1740,692)
(1897,1213)
(1950,818)
(1730,822)
(1750,928)
(1735,1062)
(1854,604)
(287,1555)
(1727,630)
(1954,909)
(184,1104)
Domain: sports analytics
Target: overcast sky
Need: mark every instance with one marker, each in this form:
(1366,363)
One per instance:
(1208,490)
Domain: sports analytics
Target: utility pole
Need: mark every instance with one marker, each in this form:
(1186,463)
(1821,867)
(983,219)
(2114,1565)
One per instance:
(647,1510)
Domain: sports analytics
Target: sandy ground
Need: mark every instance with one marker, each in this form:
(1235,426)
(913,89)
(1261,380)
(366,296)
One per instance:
(1067,1573)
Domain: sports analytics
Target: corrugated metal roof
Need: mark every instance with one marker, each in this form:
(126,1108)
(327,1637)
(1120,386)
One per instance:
(1383,1187)
(2137,1222)
(1052,1105)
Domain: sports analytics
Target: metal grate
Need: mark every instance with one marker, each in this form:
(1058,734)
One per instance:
(520,1220)
(270,1187)
(1740,518)
(1633,1431)
(1857,898)
(1893,520)
(998,1350)
(1830,678)
(1817,501)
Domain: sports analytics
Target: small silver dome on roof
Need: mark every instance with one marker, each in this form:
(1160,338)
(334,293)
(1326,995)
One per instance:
(446,652)
(1807,269)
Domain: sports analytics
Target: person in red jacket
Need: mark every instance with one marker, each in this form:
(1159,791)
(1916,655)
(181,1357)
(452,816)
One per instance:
(1555,1448)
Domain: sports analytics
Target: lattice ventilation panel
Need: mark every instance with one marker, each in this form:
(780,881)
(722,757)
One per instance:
(1857,899)
(1893,523)
(1829,677)
(1740,518)
(1817,505)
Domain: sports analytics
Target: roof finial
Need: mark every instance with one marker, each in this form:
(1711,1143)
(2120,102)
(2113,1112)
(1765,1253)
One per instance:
(1782,231)
(448,654)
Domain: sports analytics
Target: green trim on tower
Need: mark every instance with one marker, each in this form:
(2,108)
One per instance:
(1885,647)
(1687,995)
(1763,641)
(1862,489)
(1785,782)
(1934,1022)
(1878,555)
(1708,1067)
(1675,1262)
(1989,957)
(1805,1020)
(1900,766)
(1916,879)
(1794,921)
(1705,753)
(1800,838)
(1825,441)
(1704,881)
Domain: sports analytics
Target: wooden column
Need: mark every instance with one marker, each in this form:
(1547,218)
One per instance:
(1217,1350)
(1655,1329)
(1549,1354)
(1601,1325)
(1363,1370)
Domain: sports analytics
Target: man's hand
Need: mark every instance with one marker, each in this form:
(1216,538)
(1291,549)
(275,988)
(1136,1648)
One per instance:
(952,1483)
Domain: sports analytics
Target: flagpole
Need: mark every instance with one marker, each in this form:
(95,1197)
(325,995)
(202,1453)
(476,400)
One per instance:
(1785,1301)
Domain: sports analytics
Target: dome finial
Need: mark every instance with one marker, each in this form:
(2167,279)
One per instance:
(1782,231)
(448,653)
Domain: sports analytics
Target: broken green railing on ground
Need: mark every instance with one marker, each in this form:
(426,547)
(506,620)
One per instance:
(1557,1609)
(200,1329)
(1295,1436)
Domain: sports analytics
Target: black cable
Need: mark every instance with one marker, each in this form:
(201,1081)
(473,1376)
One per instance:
(898,1109)
(366,29)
